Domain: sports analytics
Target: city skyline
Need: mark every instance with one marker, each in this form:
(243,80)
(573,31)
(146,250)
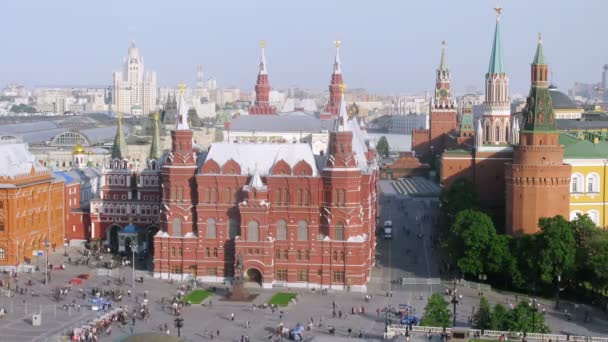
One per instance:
(376,51)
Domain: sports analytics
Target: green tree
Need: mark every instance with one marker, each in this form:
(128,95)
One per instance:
(193,118)
(459,196)
(557,248)
(483,317)
(382,147)
(526,270)
(500,260)
(499,319)
(597,261)
(524,319)
(469,241)
(436,312)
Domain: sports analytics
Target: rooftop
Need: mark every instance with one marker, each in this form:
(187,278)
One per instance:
(285,122)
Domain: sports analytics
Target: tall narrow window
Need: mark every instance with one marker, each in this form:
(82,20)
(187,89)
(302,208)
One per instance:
(307,198)
(177,227)
(497,133)
(180,194)
(233,228)
(173,193)
(228,195)
(300,197)
(253,231)
(285,197)
(343,198)
(211,230)
(278,196)
(208,195)
(281,230)
(302,231)
(339,232)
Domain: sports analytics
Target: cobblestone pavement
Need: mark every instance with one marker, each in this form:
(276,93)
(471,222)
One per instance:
(407,255)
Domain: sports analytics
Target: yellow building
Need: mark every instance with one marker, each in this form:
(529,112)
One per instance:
(588,188)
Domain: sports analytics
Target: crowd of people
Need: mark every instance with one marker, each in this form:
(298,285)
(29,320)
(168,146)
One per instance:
(101,326)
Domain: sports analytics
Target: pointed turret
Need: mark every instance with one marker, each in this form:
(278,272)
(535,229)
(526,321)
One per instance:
(262,89)
(497,105)
(119,149)
(337,62)
(335,87)
(155,151)
(443,97)
(538,114)
(497,65)
(443,65)
(181,121)
(343,117)
(256,181)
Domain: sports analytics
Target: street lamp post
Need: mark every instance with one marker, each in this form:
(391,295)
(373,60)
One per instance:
(559,279)
(179,324)
(534,307)
(455,299)
(46,266)
(133,245)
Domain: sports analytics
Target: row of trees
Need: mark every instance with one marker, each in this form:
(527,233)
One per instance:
(23,108)
(522,318)
(562,254)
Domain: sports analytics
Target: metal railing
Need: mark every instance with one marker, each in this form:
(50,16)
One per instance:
(400,330)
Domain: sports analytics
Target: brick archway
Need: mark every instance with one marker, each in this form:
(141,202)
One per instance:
(254,275)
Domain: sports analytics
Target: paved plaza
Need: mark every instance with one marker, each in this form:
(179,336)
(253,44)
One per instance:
(409,255)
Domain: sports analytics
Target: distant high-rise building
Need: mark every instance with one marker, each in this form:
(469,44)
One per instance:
(605,82)
(200,81)
(134,91)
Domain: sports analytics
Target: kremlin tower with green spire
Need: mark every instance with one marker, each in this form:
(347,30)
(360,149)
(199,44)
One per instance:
(537,181)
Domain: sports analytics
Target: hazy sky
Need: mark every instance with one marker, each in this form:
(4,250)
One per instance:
(387,46)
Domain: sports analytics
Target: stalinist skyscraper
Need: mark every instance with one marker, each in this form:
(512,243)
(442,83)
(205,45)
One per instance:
(133,90)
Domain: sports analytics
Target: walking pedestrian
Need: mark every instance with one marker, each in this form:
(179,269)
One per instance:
(232,316)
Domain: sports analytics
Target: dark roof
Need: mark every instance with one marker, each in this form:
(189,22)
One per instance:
(561,100)
(567,124)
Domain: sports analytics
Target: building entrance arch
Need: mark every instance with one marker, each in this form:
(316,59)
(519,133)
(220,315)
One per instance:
(254,275)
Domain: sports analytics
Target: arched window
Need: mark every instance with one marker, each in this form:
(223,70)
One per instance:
(576,183)
(573,214)
(177,227)
(593,183)
(302,231)
(233,228)
(253,231)
(507,133)
(339,232)
(594,215)
(497,133)
(211,228)
(300,199)
(487,131)
(2,254)
(281,230)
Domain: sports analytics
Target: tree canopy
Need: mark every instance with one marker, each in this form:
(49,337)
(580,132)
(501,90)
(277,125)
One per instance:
(459,196)
(436,312)
(557,248)
(382,147)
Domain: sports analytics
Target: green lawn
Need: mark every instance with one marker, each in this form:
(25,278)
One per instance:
(282,298)
(197,296)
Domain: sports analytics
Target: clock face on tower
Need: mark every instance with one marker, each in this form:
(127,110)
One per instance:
(443,93)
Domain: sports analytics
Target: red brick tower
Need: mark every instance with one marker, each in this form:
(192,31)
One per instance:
(442,118)
(262,90)
(537,180)
(175,245)
(443,110)
(335,87)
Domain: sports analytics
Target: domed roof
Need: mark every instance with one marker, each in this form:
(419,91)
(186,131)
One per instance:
(561,100)
(78,149)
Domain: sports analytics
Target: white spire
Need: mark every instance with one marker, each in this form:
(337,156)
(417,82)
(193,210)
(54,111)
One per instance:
(256,181)
(337,63)
(515,133)
(263,70)
(343,115)
(181,121)
(479,134)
